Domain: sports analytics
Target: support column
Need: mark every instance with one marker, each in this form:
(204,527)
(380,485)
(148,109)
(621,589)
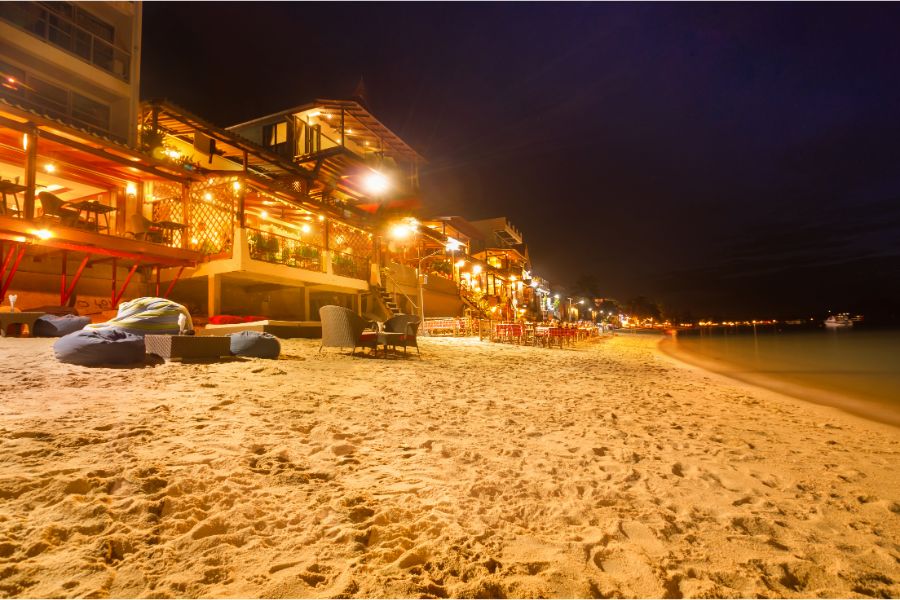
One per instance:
(214,295)
(305,316)
(30,171)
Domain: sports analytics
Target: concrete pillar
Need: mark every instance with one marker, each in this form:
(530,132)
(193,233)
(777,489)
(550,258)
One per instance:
(305,315)
(214,295)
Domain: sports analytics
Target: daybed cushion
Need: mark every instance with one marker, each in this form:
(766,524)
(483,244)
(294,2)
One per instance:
(233,319)
(255,344)
(149,315)
(91,348)
(58,326)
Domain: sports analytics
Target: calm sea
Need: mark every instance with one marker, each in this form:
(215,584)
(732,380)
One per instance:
(857,368)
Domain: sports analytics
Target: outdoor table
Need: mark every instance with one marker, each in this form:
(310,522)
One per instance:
(389,338)
(168,230)
(10,188)
(95,209)
(7,319)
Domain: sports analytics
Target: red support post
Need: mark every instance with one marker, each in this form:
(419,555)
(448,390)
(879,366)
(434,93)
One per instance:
(67,293)
(157,280)
(112,294)
(172,284)
(12,272)
(121,293)
(12,250)
(62,278)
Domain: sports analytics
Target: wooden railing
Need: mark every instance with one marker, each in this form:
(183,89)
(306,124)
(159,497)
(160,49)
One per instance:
(349,265)
(282,250)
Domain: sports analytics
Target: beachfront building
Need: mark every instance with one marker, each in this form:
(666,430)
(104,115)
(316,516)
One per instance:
(69,202)
(243,228)
(501,247)
(78,62)
(279,239)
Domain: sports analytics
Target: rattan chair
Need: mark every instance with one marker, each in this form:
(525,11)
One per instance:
(342,328)
(52,206)
(407,325)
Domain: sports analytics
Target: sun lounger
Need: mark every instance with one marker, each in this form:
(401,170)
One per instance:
(281,329)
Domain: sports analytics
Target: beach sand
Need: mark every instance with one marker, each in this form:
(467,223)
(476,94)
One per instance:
(481,470)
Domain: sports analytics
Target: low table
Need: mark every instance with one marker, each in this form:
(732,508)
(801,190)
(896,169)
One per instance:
(188,347)
(8,319)
(390,338)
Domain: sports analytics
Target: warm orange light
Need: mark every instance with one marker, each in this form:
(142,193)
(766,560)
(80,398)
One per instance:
(44,234)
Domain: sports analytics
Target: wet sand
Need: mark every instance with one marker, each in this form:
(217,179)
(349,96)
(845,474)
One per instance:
(481,470)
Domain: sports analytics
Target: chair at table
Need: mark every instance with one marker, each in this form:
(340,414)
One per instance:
(343,328)
(53,207)
(405,328)
(143,228)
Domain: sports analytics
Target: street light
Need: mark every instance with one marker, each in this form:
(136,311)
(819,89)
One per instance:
(376,183)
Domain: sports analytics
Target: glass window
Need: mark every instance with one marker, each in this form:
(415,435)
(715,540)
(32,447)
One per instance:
(274,134)
(48,96)
(89,111)
(98,27)
(12,80)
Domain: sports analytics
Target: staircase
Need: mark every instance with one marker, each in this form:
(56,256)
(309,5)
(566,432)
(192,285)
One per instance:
(387,299)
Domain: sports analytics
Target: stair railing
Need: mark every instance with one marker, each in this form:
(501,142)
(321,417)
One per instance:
(390,278)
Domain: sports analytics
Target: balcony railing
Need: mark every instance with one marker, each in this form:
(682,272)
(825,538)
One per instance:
(349,265)
(282,250)
(64,33)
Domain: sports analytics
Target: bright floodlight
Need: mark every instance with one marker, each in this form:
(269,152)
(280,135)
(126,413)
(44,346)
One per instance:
(452,245)
(376,183)
(401,231)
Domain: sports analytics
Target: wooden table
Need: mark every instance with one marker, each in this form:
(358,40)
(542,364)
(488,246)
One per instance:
(8,319)
(92,207)
(168,230)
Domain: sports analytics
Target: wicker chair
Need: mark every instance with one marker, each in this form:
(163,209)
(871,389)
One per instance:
(53,207)
(407,325)
(342,328)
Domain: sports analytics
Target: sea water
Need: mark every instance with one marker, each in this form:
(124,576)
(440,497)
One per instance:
(859,367)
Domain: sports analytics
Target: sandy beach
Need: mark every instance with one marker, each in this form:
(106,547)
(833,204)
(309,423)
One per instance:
(481,470)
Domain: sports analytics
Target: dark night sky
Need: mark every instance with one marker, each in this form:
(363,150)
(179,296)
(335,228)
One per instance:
(731,159)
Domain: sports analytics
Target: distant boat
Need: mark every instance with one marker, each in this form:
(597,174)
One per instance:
(837,321)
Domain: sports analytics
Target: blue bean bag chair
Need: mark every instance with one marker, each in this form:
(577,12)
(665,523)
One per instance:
(91,348)
(58,326)
(255,344)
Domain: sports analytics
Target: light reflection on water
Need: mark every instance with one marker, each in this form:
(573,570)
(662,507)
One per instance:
(855,362)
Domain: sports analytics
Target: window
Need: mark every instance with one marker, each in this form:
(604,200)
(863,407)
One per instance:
(12,79)
(73,29)
(90,112)
(275,135)
(53,100)
(50,98)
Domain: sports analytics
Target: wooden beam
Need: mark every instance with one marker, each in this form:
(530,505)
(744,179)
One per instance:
(172,283)
(4,284)
(66,294)
(117,297)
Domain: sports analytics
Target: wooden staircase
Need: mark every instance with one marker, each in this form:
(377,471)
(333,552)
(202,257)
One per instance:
(387,299)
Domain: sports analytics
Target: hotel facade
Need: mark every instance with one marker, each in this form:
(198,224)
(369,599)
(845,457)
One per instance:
(106,199)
